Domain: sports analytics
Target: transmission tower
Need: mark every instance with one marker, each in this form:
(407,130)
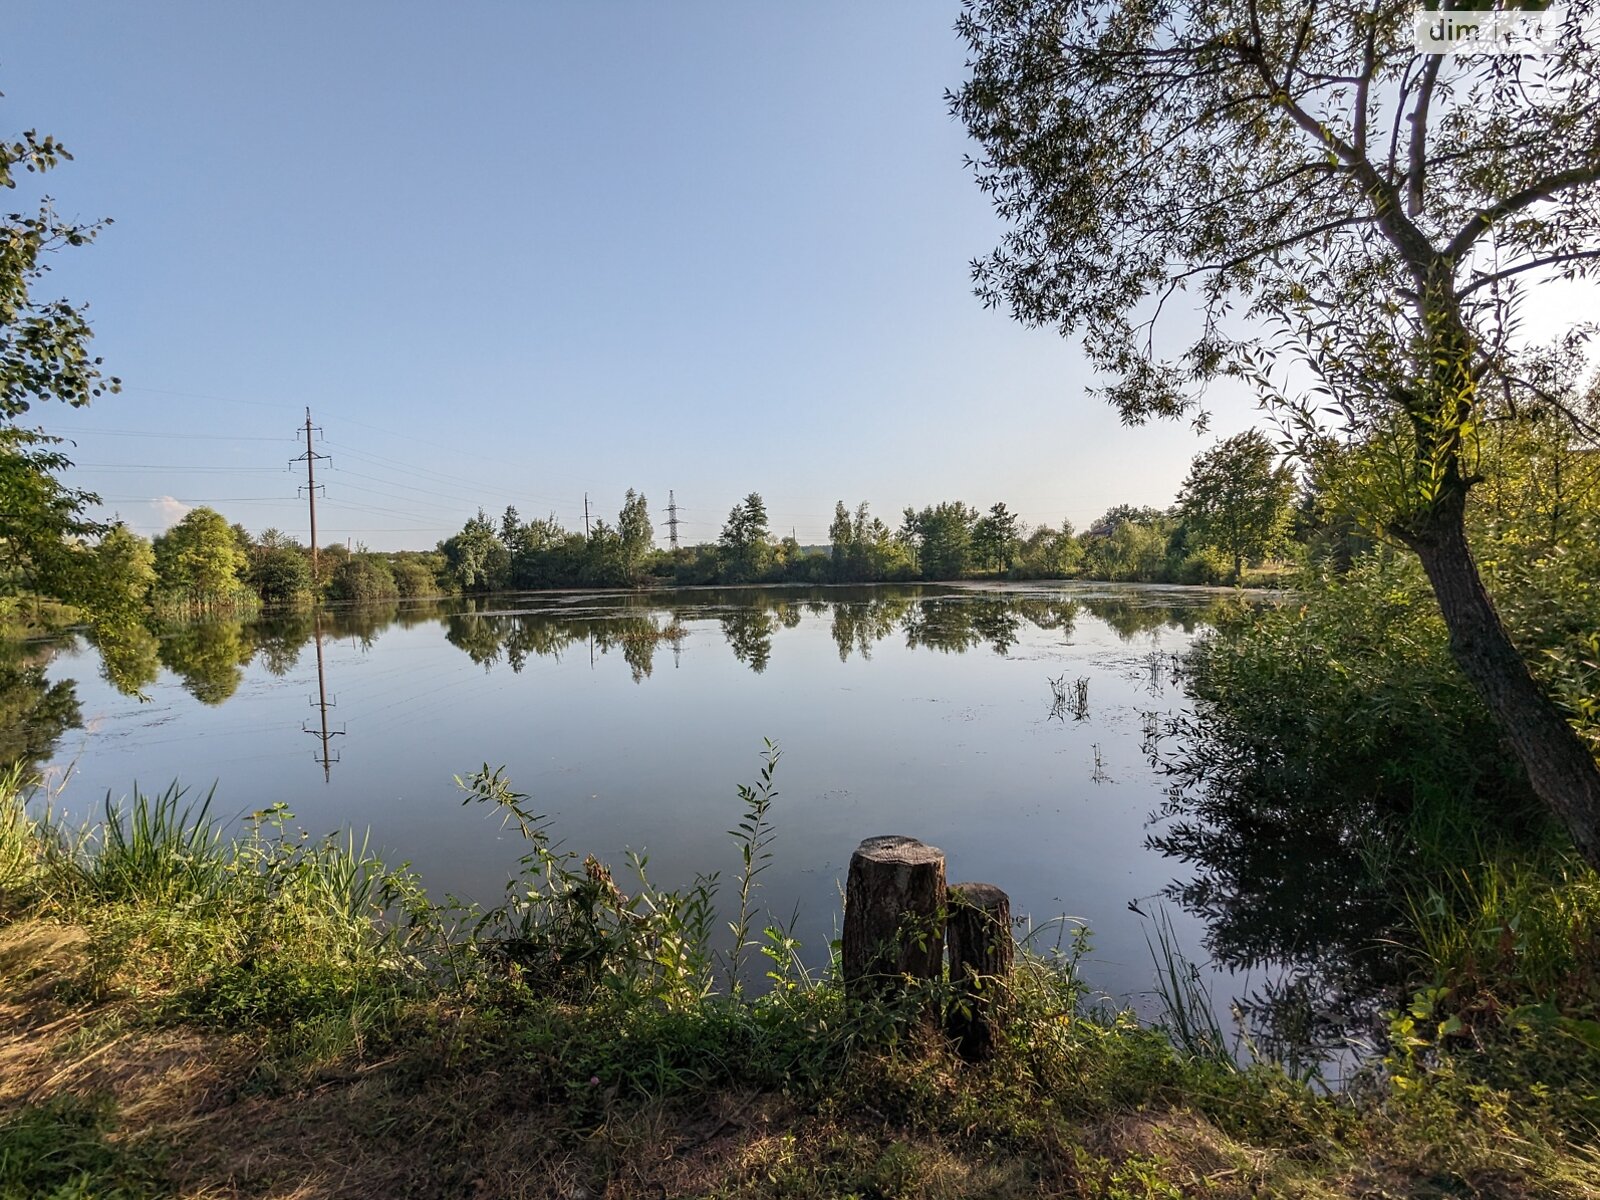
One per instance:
(672,517)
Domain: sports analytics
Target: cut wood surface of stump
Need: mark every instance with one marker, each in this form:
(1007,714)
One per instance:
(982,953)
(893,914)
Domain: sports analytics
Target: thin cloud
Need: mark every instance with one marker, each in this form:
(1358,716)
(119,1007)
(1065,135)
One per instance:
(169,511)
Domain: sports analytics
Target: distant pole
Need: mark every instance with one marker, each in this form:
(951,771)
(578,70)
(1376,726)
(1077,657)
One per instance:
(672,517)
(586,514)
(309,458)
(311,496)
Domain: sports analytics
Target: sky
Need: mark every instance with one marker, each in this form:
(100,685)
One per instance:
(513,253)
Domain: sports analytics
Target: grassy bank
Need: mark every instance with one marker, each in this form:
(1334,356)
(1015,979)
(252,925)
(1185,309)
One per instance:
(185,1012)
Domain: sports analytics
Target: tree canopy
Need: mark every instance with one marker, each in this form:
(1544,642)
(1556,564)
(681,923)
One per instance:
(199,560)
(46,534)
(1330,198)
(1237,497)
(746,540)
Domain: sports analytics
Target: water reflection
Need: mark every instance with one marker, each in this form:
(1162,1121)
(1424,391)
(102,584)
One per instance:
(209,658)
(1272,885)
(952,621)
(34,710)
(1288,880)
(326,756)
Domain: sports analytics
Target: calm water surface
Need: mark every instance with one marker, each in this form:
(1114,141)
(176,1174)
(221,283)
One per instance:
(631,718)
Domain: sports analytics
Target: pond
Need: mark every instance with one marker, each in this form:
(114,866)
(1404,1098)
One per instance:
(631,718)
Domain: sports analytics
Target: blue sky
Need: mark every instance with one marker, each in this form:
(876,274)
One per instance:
(513,252)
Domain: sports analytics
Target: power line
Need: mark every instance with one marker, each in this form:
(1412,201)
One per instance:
(196,499)
(475,454)
(150,433)
(129,387)
(459,498)
(461,492)
(164,467)
(373,508)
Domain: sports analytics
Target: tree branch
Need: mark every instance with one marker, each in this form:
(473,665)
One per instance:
(1546,189)
(1531,265)
(1416,170)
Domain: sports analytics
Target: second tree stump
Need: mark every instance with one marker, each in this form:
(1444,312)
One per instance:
(982,953)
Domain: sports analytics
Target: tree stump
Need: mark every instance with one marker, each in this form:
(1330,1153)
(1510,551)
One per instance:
(894,903)
(981,956)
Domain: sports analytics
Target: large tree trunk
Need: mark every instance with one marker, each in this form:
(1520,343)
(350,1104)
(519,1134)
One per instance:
(1560,767)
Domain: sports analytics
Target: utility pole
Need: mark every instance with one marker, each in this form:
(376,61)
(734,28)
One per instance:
(309,458)
(586,514)
(672,517)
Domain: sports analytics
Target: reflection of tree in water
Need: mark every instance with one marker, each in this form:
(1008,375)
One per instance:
(485,638)
(860,618)
(482,638)
(34,712)
(281,637)
(1287,885)
(209,657)
(637,636)
(749,633)
(955,625)
(530,636)
(1130,617)
(361,622)
(856,626)
(130,657)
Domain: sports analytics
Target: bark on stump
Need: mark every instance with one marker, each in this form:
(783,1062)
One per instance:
(894,903)
(981,956)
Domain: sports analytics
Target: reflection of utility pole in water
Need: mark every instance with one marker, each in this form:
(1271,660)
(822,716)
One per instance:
(325,735)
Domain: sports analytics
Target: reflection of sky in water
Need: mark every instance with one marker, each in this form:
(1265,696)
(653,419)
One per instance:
(955,747)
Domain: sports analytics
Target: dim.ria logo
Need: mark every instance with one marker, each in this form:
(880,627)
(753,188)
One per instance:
(1528,28)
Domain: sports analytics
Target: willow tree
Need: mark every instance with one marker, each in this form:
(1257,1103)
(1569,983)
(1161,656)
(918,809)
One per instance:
(1211,187)
(45,526)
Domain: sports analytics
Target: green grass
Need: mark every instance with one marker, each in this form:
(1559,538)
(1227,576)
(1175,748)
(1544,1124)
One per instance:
(20,839)
(155,850)
(603,999)
(59,1150)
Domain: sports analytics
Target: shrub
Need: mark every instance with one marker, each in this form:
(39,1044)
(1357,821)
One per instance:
(413,580)
(363,578)
(281,575)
